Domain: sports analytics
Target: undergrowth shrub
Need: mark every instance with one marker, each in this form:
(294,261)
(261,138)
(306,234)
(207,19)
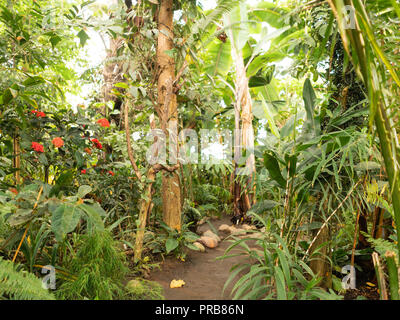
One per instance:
(98,269)
(20,285)
(142,289)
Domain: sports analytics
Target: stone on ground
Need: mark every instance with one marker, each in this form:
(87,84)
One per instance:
(248,227)
(209,242)
(199,246)
(211,234)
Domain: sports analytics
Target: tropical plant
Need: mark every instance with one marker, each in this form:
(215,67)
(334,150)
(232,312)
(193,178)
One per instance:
(20,285)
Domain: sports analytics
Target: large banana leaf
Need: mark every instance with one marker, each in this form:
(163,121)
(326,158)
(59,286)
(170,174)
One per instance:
(219,60)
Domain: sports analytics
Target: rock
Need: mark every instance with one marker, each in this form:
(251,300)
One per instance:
(248,227)
(211,234)
(202,221)
(209,242)
(199,246)
(223,227)
(234,230)
(224,230)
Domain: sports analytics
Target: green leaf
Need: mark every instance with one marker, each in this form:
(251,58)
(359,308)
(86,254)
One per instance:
(121,85)
(257,82)
(272,166)
(219,59)
(83,191)
(83,37)
(43,159)
(309,98)
(171,244)
(93,216)
(54,40)
(268,116)
(280,284)
(262,206)
(80,160)
(20,217)
(64,220)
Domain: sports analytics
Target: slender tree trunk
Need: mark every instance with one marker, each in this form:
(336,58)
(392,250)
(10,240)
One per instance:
(17,160)
(171,191)
(244,104)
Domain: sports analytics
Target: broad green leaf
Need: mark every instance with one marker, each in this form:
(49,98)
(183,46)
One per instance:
(219,58)
(83,191)
(272,166)
(83,37)
(20,217)
(309,98)
(171,244)
(64,220)
(93,214)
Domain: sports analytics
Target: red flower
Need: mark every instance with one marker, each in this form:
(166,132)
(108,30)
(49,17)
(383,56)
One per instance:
(83,171)
(40,114)
(34,111)
(111,173)
(97,143)
(57,142)
(13,190)
(37,147)
(103,122)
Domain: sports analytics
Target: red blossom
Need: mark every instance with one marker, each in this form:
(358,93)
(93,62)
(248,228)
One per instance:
(103,122)
(37,147)
(57,142)
(34,111)
(83,171)
(97,143)
(40,114)
(111,173)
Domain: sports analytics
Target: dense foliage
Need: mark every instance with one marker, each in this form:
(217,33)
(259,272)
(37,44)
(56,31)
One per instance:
(319,99)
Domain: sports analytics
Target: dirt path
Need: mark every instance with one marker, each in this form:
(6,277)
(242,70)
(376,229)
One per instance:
(204,276)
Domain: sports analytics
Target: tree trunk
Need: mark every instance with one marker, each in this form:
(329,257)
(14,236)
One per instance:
(171,191)
(319,263)
(244,104)
(17,160)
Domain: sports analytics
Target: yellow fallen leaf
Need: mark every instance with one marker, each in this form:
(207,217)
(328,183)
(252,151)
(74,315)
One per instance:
(176,284)
(370,284)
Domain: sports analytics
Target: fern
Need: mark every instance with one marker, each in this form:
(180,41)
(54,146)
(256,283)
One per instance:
(99,268)
(381,245)
(20,285)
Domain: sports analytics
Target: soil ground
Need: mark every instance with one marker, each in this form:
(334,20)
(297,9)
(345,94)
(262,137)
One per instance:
(204,276)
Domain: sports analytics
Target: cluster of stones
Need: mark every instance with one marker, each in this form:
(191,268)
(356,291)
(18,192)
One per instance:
(210,240)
